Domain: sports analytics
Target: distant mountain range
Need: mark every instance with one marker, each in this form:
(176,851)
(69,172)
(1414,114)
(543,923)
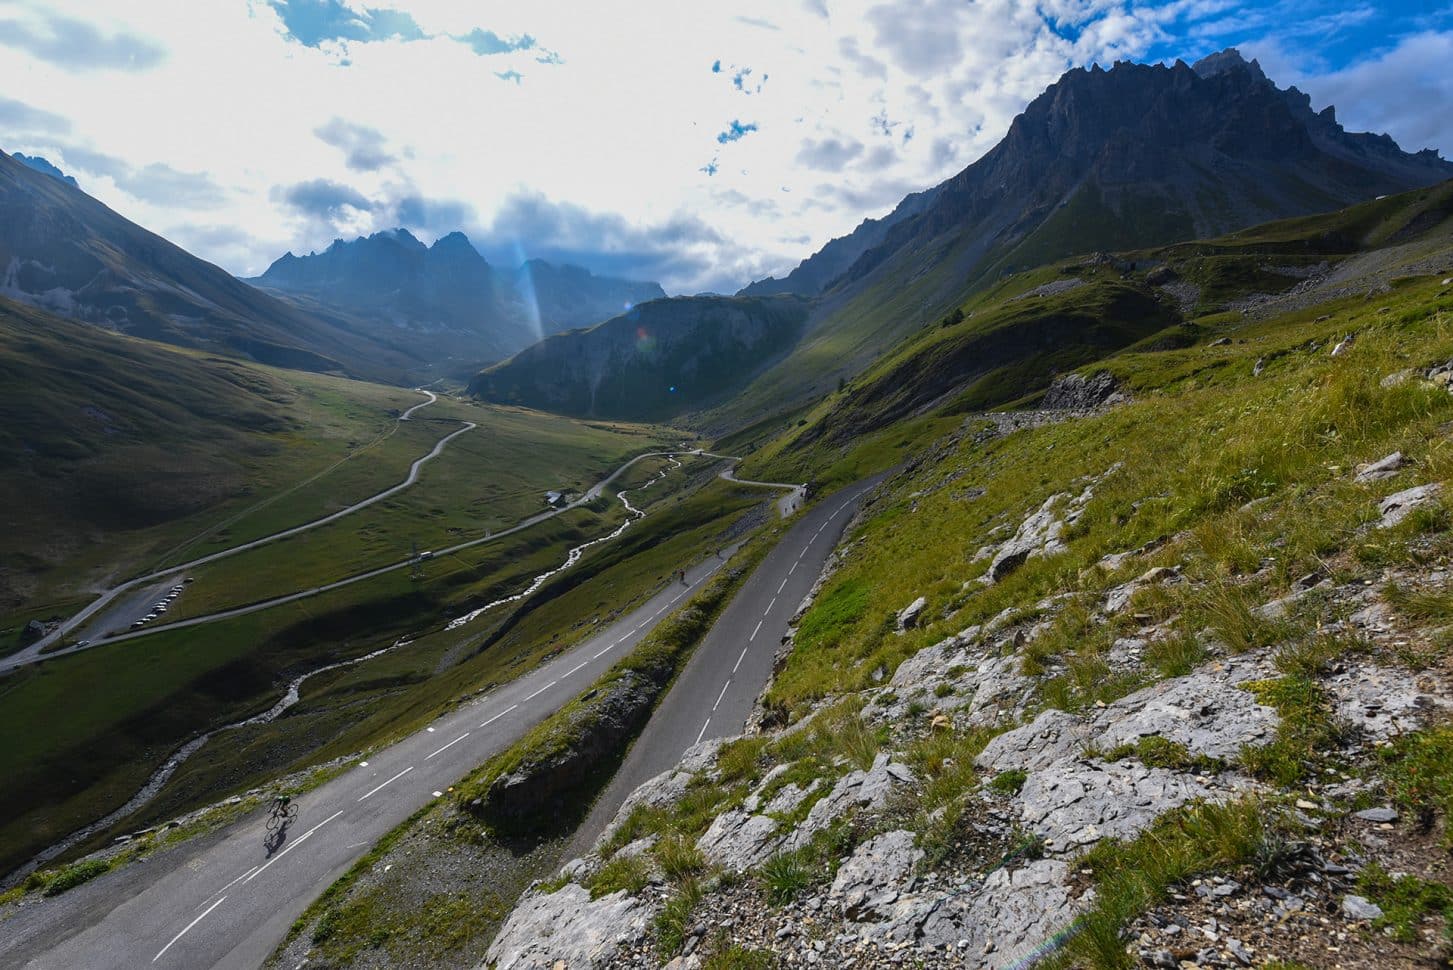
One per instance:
(446,299)
(65,252)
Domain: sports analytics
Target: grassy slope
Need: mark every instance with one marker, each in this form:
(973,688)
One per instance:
(1204,438)
(1113,310)
(118,449)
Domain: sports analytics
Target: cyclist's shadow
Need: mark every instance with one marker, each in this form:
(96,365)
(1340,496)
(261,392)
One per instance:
(275,838)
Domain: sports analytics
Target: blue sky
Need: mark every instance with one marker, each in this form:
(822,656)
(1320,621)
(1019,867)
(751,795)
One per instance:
(701,145)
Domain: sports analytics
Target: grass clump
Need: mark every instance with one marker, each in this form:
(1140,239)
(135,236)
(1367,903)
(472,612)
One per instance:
(674,919)
(1009,782)
(1406,902)
(1305,735)
(1418,771)
(1131,876)
(74,875)
(628,872)
(786,876)
(1154,751)
(736,957)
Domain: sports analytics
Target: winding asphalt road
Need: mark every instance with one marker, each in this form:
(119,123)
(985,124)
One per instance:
(716,692)
(32,653)
(225,902)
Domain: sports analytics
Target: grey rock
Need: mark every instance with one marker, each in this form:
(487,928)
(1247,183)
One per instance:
(1400,505)
(739,840)
(1380,469)
(1052,736)
(1359,907)
(1382,702)
(1343,345)
(908,616)
(1014,912)
(1205,711)
(1377,815)
(568,926)
(1077,803)
(874,875)
(854,792)
(34,630)
(1398,378)
(1076,392)
(1038,535)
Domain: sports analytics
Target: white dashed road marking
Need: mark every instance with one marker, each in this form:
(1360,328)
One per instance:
(755,632)
(542,690)
(739,660)
(395,778)
(702,733)
(449,745)
(720,696)
(499,715)
(188,927)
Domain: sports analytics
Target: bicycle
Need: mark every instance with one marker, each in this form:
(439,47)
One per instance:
(282,812)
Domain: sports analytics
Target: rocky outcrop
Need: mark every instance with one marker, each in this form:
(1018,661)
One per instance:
(567,927)
(539,787)
(1382,468)
(1078,392)
(1400,505)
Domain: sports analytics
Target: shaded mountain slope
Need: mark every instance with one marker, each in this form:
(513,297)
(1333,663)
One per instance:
(445,299)
(657,360)
(64,251)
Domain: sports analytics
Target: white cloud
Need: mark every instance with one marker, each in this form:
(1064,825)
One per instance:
(612,127)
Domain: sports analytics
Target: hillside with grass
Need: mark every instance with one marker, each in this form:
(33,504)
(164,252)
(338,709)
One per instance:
(118,448)
(65,252)
(651,363)
(1102,161)
(1159,677)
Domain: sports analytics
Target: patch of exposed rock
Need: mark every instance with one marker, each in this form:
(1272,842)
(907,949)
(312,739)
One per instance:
(568,927)
(1077,392)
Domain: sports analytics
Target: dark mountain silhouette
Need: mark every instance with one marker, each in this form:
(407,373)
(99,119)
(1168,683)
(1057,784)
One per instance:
(446,299)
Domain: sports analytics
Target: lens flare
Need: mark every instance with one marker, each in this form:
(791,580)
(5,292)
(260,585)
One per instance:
(645,341)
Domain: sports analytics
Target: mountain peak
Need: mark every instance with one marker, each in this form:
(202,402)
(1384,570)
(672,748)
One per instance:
(44,166)
(453,240)
(1226,61)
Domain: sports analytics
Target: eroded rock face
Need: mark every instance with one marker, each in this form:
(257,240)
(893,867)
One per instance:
(1076,392)
(567,926)
(873,876)
(1052,736)
(1076,803)
(739,840)
(1400,505)
(1382,702)
(1014,912)
(1038,535)
(1205,711)
(1380,469)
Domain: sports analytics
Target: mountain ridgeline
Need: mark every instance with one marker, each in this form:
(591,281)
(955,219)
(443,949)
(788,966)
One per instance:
(446,298)
(1140,155)
(655,361)
(1133,157)
(65,252)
